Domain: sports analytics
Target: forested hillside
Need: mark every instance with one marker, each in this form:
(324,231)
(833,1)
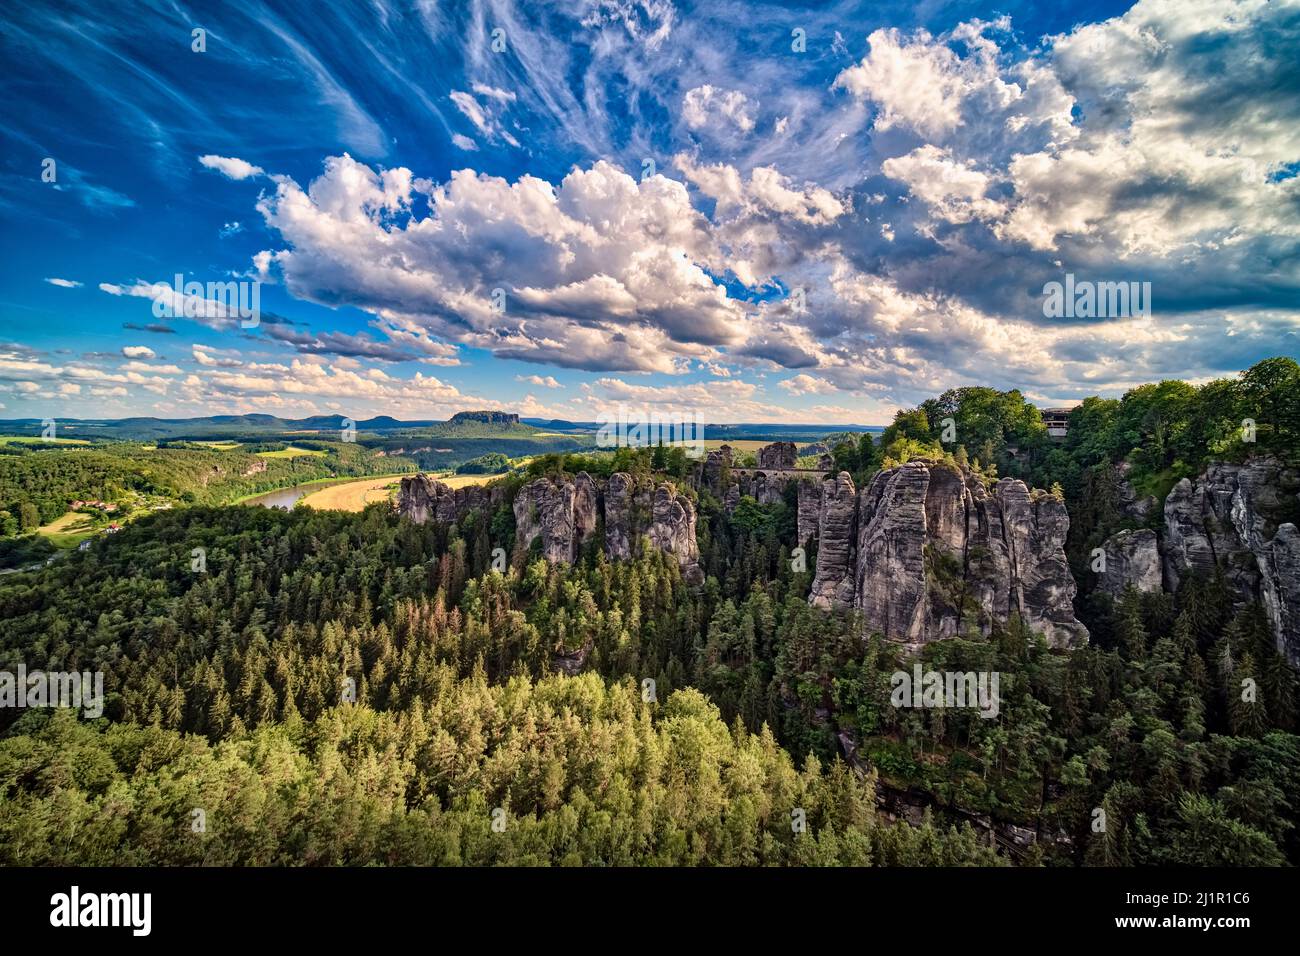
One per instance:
(356,688)
(43,483)
(225,696)
(455,714)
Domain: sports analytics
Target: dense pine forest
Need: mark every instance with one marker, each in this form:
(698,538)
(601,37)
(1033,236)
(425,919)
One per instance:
(339,688)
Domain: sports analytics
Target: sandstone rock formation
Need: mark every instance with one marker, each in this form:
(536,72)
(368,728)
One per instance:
(1132,559)
(712,472)
(622,502)
(1129,502)
(485,418)
(926,552)
(809,513)
(889,579)
(423,498)
(764,488)
(586,507)
(778,455)
(566,513)
(1281,591)
(837,519)
(672,530)
(767,484)
(1234,518)
(546,508)
(1042,587)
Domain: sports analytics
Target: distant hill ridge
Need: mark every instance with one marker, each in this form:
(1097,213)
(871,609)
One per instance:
(468,424)
(211,426)
(486,418)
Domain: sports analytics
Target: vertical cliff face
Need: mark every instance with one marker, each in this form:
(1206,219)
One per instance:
(1132,560)
(633,509)
(418,498)
(809,513)
(890,573)
(672,530)
(837,520)
(423,498)
(778,455)
(1043,589)
(586,508)
(1281,594)
(1195,531)
(620,508)
(712,472)
(1129,501)
(565,514)
(764,488)
(929,552)
(934,554)
(546,508)
(1234,518)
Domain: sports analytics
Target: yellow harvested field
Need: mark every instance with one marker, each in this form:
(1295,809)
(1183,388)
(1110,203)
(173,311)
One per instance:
(352,495)
(68,530)
(65,523)
(464,481)
(740,444)
(292,452)
(355,495)
(37,440)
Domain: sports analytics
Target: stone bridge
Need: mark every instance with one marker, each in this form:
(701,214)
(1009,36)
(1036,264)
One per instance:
(784,472)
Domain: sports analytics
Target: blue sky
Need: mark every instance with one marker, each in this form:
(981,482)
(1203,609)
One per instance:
(760,212)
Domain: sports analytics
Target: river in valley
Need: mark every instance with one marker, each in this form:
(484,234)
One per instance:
(285,498)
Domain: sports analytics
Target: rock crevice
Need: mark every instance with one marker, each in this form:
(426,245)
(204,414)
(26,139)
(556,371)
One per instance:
(423,498)
(926,552)
(565,514)
(1234,519)
(1132,559)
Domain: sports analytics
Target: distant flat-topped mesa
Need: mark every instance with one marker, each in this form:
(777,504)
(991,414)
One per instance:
(564,514)
(487,418)
(927,552)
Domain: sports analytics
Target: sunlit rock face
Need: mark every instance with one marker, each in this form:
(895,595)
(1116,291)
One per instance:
(566,513)
(546,508)
(672,530)
(926,552)
(423,498)
(778,455)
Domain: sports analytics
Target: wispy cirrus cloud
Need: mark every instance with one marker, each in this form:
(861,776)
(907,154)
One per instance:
(641,190)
